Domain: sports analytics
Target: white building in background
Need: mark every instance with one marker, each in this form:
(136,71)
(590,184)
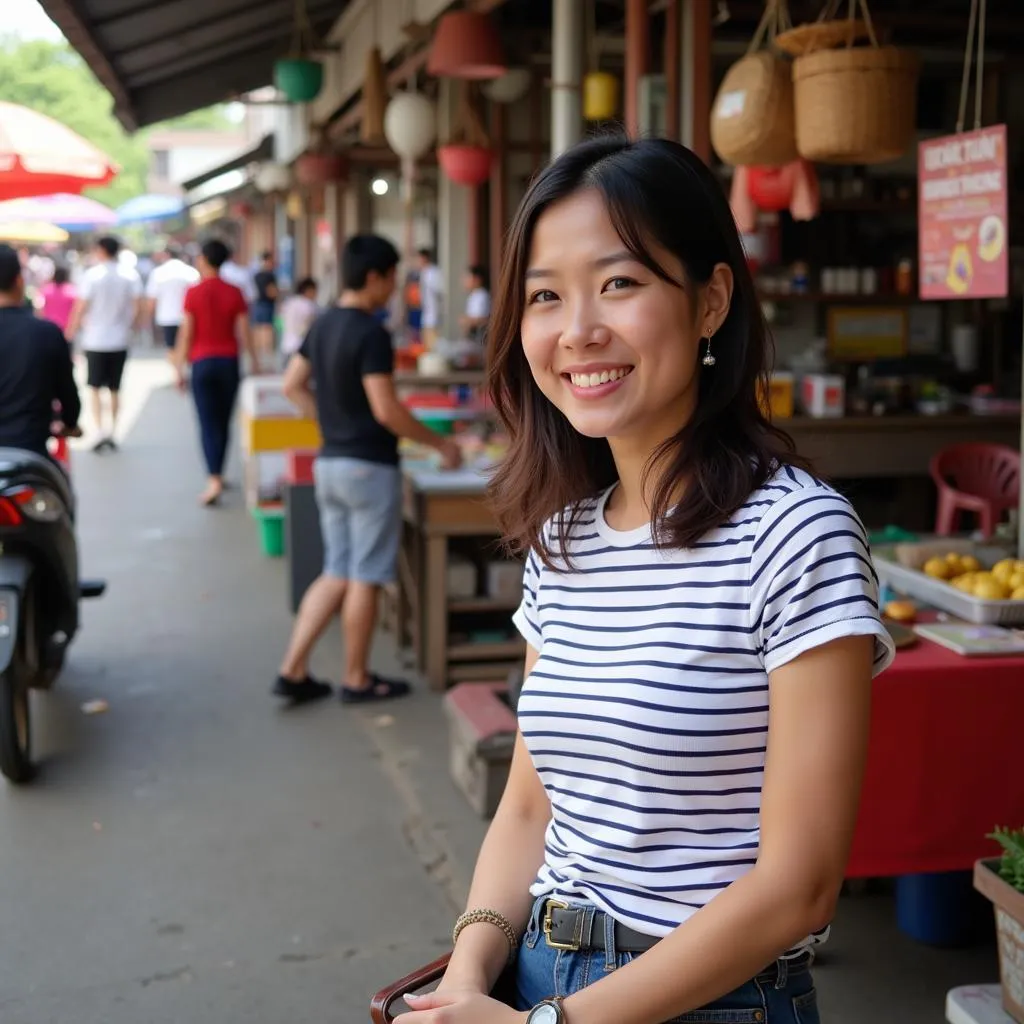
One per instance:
(177,156)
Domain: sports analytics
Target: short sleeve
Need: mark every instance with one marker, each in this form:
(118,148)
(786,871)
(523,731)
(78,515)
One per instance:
(377,354)
(153,286)
(241,306)
(190,301)
(86,287)
(527,615)
(812,580)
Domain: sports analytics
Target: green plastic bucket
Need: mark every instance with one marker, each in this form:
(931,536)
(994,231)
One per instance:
(271,526)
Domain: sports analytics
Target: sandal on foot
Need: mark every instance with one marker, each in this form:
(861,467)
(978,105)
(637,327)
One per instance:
(377,688)
(301,692)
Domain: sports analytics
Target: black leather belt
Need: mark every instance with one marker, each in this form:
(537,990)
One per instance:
(576,929)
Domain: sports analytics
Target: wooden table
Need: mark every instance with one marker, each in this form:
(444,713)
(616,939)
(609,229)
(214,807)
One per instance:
(439,506)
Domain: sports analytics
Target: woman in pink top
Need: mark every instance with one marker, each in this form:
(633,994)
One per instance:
(58,297)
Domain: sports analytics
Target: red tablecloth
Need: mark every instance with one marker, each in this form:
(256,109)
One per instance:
(945,762)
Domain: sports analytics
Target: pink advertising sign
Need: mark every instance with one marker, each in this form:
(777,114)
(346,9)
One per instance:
(962,221)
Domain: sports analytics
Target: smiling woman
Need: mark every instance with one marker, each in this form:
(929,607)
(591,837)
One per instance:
(702,624)
(623,260)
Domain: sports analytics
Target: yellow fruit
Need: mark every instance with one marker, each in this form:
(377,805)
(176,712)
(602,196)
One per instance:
(991,590)
(1018,594)
(965,582)
(1016,581)
(1005,569)
(937,567)
(968,563)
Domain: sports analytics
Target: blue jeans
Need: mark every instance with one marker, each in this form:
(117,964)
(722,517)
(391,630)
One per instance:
(215,388)
(782,994)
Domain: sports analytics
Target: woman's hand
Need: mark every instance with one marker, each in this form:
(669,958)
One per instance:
(458,1007)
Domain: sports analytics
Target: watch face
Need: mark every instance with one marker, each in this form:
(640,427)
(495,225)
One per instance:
(545,1013)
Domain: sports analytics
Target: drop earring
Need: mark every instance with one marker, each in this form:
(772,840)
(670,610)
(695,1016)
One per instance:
(709,359)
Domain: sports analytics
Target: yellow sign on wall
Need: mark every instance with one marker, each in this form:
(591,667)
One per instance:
(856,333)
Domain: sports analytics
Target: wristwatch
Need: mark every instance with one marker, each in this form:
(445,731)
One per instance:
(548,1011)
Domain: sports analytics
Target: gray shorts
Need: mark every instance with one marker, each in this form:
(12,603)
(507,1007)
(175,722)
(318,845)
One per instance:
(360,507)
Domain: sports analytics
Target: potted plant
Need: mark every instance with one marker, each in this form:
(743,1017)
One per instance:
(1002,881)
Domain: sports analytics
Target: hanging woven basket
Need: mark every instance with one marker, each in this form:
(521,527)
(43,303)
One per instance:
(752,116)
(857,104)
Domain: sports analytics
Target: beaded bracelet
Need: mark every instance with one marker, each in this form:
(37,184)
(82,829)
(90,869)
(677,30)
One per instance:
(491,917)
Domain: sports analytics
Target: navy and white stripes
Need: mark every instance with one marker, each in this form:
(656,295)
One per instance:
(647,712)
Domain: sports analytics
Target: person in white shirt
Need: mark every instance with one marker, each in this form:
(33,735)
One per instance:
(298,312)
(241,277)
(108,311)
(431,296)
(478,303)
(165,292)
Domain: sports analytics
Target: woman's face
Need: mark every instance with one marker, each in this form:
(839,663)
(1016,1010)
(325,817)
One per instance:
(613,346)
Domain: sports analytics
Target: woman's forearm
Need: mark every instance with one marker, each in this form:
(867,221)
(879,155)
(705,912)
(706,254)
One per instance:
(721,947)
(509,859)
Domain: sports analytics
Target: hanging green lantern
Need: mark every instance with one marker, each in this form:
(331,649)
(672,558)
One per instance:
(299,78)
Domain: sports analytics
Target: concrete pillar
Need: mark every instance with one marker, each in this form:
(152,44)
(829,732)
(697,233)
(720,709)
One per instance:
(453,220)
(567,34)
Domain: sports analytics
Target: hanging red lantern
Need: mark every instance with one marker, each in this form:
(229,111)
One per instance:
(465,164)
(466,45)
(771,188)
(320,168)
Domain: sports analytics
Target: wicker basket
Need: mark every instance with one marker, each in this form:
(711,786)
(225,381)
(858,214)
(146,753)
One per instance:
(856,105)
(821,35)
(752,119)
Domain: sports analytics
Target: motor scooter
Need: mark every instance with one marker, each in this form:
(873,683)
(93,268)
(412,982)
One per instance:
(40,591)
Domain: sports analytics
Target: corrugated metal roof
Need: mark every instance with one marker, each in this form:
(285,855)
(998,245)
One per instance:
(162,58)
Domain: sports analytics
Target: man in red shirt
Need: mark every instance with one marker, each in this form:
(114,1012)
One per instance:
(214,329)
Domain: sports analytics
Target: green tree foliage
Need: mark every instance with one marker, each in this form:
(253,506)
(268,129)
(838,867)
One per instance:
(51,78)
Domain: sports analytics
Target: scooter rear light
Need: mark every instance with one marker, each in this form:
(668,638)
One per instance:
(39,503)
(10,514)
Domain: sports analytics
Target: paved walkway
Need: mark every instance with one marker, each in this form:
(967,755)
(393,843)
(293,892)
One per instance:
(197,854)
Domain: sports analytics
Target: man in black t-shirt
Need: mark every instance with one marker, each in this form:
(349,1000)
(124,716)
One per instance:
(35,367)
(348,356)
(264,307)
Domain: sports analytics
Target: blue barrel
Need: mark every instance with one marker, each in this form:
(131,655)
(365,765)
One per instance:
(939,909)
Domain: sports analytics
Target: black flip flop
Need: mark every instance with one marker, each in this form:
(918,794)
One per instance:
(379,688)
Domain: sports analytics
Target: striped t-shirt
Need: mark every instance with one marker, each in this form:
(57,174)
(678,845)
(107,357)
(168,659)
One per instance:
(646,715)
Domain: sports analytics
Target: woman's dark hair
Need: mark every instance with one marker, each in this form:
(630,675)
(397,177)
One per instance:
(363,255)
(61,275)
(216,253)
(479,271)
(657,193)
(305,285)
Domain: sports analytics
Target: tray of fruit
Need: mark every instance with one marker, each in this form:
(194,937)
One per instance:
(973,582)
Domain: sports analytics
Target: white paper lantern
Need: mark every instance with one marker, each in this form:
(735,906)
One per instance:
(272,178)
(410,125)
(512,86)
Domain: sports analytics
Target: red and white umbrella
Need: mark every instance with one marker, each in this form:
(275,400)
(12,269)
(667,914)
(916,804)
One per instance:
(40,156)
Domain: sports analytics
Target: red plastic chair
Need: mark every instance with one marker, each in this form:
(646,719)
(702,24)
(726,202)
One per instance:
(974,477)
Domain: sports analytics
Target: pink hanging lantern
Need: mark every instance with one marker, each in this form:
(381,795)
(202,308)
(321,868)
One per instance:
(465,164)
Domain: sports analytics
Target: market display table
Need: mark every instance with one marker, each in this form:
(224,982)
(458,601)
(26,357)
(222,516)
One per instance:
(944,763)
(439,506)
